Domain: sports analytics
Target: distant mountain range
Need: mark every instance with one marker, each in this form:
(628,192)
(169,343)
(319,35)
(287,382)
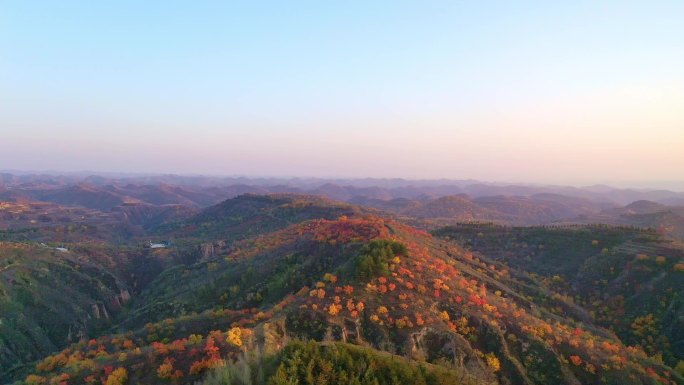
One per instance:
(153,200)
(339,189)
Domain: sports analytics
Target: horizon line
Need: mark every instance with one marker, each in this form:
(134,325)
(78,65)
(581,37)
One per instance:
(616,185)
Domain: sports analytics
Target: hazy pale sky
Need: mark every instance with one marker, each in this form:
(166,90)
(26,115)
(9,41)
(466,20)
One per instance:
(536,91)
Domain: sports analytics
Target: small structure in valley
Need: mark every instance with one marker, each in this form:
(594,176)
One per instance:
(160,245)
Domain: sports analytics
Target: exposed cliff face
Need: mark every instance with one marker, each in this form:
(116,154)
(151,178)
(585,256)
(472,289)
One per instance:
(77,332)
(104,310)
(99,311)
(119,300)
(211,250)
(435,346)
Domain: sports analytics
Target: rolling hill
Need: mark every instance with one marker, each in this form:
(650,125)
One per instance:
(268,288)
(667,220)
(359,279)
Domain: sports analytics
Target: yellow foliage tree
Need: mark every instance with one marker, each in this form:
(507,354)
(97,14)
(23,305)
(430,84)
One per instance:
(444,315)
(118,377)
(32,379)
(164,370)
(493,362)
(235,336)
(334,309)
(330,278)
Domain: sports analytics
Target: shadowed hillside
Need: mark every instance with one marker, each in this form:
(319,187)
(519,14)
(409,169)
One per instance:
(51,298)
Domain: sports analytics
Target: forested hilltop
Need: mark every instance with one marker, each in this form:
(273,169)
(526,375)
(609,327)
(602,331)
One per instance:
(297,288)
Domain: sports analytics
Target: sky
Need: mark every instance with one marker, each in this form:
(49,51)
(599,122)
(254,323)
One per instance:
(575,92)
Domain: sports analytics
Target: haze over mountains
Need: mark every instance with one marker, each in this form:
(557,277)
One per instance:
(147,200)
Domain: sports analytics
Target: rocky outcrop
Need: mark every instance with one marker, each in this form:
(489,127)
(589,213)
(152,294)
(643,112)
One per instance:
(120,299)
(269,337)
(351,331)
(432,345)
(99,311)
(213,249)
(77,332)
